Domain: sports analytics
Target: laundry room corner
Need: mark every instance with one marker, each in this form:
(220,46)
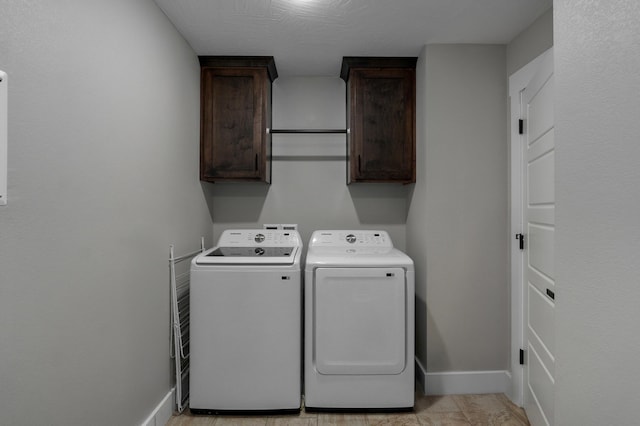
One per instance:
(308,184)
(457,217)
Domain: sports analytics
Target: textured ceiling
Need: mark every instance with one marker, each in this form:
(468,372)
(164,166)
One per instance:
(310,37)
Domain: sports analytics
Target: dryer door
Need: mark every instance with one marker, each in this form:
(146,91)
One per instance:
(359,320)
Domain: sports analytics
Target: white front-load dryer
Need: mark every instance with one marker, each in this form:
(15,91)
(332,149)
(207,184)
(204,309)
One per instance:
(246,324)
(359,323)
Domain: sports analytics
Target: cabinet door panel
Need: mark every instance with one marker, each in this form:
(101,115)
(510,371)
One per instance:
(382,126)
(233,124)
(382,110)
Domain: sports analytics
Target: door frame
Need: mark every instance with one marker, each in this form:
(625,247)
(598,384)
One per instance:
(518,81)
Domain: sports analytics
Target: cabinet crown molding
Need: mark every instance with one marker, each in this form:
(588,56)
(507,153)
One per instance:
(349,62)
(241,61)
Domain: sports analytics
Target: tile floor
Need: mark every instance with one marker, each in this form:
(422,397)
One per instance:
(449,410)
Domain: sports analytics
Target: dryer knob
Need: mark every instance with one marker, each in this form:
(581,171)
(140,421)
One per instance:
(351,238)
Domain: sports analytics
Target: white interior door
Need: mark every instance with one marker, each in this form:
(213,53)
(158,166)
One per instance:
(539,220)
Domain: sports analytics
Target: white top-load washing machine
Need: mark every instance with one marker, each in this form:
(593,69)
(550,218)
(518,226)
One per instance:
(359,323)
(246,323)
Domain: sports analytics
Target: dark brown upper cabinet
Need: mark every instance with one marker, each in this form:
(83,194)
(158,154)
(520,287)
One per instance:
(381,118)
(235,118)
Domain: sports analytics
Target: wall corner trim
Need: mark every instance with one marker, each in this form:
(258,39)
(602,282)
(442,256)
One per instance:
(163,411)
(463,382)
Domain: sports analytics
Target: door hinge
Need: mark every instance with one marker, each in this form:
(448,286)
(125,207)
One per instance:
(520,238)
(521,127)
(521,356)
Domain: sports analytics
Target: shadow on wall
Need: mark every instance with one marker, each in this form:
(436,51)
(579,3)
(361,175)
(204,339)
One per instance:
(430,346)
(315,198)
(380,203)
(235,202)
(207,193)
(437,357)
(373,203)
(420,336)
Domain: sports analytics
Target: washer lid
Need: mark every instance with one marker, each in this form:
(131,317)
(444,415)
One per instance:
(248,256)
(253,247)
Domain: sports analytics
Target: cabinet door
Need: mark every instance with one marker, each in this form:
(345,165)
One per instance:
(382,125)
(233,124)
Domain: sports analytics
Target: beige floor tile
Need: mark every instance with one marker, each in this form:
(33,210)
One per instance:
(517,411)
(436,404)
(292,421)
(498,418)
(188,419)
(393,419)
(443,419)
(490,410)
(331,419)
(240,421)
(484,402)
(304,413)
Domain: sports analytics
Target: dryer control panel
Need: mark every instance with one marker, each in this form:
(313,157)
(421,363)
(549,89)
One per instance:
(355,238)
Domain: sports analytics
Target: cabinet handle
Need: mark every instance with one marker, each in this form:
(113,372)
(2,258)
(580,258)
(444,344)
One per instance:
(256,169)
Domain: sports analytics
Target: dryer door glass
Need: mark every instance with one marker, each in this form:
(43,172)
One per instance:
(359,320)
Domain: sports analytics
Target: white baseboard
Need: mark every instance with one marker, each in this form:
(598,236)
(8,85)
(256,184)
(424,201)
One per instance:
(163,411)
(462,382)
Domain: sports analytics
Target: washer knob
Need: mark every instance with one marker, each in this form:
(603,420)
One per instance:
(259,238)
(351,238)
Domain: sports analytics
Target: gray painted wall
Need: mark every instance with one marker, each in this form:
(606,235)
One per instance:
(416,213)
(309,172)
(530,43)
(598,206)
(457,215)
(103,154)
(103,176)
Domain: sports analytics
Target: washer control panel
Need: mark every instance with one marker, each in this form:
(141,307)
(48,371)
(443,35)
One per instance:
(354,238)
(259,238)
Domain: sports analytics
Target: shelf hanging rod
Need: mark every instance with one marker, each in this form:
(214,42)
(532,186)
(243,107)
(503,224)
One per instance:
(308,131)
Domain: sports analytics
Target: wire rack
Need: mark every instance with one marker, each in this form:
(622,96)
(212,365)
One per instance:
(180,312)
